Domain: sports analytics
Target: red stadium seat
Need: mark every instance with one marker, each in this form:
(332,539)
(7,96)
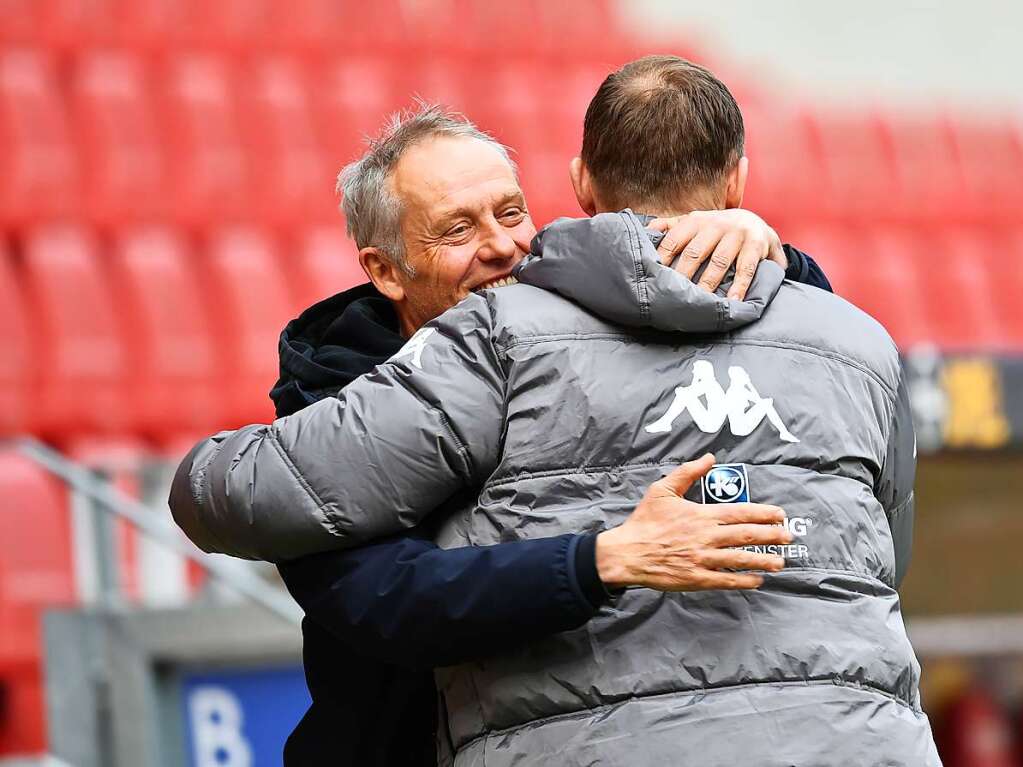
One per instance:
(889,287)
(126,175)
(999,253)
(233,25)
(859,169)
(152,25)
(427,27)
(930,182)
(21,22)
(510,106)
(173,369)
(17,369)
(326,262)
(991,155)
(324,27)
(964,284)
(786,172)
(557,138)
(442,79)
(510,29)
(294,181)
(837,249)
(565,97)
(80,351)
(309,26)
(251,303)
(211,176)
(353,97)
(38,174)
(36,572)
(77,24)
(581,29)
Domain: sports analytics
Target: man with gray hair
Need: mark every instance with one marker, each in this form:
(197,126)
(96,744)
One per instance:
(462,220)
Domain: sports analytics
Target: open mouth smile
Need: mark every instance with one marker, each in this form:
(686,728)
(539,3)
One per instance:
(499,283)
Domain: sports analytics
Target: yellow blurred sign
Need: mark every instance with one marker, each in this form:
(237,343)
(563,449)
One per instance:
(976,415)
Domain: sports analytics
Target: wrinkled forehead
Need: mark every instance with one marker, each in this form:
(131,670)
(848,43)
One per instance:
(442,173)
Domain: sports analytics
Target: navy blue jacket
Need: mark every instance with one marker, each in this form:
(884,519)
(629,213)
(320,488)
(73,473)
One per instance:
(379,617)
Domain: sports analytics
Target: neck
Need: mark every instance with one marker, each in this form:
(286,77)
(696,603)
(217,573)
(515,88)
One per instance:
(407,322)
(704,200)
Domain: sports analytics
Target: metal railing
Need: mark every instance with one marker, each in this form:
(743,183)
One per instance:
(144,518)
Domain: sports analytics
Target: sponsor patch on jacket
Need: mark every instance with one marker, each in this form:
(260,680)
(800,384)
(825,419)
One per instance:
(726,483)
(729,483)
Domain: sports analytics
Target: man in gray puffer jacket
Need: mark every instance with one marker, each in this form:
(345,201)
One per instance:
(561,399)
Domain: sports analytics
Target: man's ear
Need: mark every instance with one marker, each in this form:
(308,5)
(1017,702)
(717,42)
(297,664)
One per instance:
(736,187)
(583,186)
(383,273)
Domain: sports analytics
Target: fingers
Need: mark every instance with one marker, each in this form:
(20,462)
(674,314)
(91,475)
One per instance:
(698,250)
(678,233)
(739,559)
(682,478)
(754,513)
(750,535)
(724,255)
(777,253)
(746,266)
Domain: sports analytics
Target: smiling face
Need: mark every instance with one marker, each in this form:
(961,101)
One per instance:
(464,224)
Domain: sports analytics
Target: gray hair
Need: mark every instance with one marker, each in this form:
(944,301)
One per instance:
(372,213)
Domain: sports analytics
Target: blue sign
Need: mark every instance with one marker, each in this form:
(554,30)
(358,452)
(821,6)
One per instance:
(241,717)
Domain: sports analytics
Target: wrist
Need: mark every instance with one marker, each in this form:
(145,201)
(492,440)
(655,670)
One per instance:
(612,561)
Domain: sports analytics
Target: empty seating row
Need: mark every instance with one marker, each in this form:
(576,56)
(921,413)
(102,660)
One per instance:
(886,167)
(203,138)
(957,288)
(150,333)
(570,27)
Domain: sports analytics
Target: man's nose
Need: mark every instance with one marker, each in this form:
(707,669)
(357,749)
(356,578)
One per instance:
(499,246)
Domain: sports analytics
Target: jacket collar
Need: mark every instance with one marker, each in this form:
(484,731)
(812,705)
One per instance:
(609,265)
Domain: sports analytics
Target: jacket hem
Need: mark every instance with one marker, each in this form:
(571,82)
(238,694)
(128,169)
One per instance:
(836,681)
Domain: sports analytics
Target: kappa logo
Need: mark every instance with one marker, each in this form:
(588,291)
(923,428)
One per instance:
(414,347)
(710,405)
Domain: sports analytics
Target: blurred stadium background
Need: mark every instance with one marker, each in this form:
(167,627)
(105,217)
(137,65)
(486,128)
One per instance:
(166,197)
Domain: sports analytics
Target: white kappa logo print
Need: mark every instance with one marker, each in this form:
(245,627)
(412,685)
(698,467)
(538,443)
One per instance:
(741,405)
(414,347)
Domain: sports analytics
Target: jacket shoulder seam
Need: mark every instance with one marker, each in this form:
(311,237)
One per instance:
(533,340)
(639,272)
(826,353)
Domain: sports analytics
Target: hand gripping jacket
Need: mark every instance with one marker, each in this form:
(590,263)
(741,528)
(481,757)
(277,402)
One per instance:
(560,400)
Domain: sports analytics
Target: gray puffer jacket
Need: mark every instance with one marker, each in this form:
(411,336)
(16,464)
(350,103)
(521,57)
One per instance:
(562,417)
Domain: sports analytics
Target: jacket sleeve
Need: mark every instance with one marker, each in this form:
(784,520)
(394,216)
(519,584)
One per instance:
(895,489)
(378,458)
(804,269)
(405,601)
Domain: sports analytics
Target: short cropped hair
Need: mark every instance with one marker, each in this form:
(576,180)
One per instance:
(372,213)
(658,129)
